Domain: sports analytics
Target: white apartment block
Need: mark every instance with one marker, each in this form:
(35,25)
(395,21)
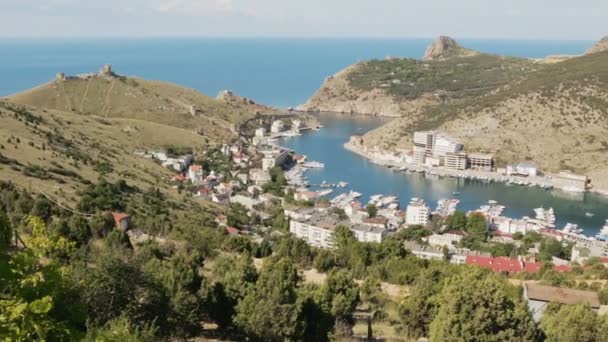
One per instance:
(273,158)
(278,126)
(368,234)
(433,145)
(417,213)
(314,236)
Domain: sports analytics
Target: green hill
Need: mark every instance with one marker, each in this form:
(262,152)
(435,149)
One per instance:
(134,98)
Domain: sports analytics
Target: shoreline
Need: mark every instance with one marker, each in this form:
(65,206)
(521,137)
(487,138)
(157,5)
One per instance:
(539,181)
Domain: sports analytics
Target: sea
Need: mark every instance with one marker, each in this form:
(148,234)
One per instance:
(284,73)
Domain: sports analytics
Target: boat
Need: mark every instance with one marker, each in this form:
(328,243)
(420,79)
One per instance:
(588,214)
(455,193)
(572,228)
(603,234)
(313,165)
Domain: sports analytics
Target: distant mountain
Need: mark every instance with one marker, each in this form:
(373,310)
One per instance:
(554,113)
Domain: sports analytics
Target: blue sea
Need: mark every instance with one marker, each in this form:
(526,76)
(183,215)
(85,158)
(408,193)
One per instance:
(284,73)
(279,72)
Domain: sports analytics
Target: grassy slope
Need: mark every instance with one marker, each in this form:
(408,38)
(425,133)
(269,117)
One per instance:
(456,77)
(60,152)
(134,98)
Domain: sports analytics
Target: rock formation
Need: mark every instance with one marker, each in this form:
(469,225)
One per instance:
(600,46)
(444,47)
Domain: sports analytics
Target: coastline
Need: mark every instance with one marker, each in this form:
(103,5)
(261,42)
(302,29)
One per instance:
(387,161)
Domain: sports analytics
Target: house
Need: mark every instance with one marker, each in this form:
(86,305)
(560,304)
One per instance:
(539,296)
(522,169)
(259,177)
(179,178)
(449,239)
(306,195)
(509,265)
(260,132)
(376,222)
(122,221)
(278,126)
(246,201)
(195,174)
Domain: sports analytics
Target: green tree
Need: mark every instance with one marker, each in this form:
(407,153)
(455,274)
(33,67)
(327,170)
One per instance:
(372,210)
(457,221)
(418,310)
(573,323)
(237,216)
(476,306)
(477,226)
(121,330)
(102,224)
(270,310)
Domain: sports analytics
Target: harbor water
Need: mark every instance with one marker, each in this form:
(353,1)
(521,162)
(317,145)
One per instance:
(326,146)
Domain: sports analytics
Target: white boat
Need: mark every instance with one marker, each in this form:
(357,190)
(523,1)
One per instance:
(572,228)
(603,234)
(455,193)
(588,214)
(313,165)
(342,184)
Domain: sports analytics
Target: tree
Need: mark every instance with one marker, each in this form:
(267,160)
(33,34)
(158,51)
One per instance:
(457,221)
(79,230)
(121,329)
(476,306)
(477,226)
(270,310)
(237,216)
(372,210)
(102,224)
(35,303)
(572,323)
(6,231)
(419,309)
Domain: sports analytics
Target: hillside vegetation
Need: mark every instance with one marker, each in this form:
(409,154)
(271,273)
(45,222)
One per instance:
(135,98)
(60,153)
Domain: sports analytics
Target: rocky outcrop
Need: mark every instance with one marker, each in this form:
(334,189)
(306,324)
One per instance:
(445,47)
(600,46)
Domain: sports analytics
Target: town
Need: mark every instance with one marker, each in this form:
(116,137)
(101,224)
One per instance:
(435,153)
(260,177)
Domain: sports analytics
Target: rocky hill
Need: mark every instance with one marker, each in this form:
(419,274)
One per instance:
(554,114)
(401,86)
(600,46)
(445,47)
(114,96)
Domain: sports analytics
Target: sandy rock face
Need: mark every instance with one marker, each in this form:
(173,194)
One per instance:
(600,46)
(440,47)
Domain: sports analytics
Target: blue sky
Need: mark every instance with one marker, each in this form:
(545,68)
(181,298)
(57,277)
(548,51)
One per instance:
(517,19)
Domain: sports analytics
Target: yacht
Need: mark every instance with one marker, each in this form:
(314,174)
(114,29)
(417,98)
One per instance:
(589,214)
(603,234)
(572,228)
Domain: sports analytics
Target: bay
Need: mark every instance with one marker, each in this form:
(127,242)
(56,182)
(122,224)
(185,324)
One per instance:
(363,176)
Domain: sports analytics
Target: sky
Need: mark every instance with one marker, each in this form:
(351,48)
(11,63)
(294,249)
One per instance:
(510,19)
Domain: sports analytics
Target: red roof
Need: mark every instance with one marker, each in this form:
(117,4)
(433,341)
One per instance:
(232,231)
(504,264)
(195,168)
(179,178)
(376,220)
(119,217)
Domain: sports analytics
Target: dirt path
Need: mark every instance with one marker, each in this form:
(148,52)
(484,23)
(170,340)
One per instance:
(84,95)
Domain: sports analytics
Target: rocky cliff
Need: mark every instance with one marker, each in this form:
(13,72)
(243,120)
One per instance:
(446,47)
(600,46)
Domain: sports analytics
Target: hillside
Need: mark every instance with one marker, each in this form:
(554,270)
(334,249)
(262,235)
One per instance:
(557,117)
(398,86)
(60,153)
(113,96)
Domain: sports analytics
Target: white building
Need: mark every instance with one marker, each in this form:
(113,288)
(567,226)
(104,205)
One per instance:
(296,125)
(313,235)
(522,169)
(449,239)
(368,234)
(433,145)
(278,126)
(260,132)
(274,157)
(259,177)
(195,174)
(511,226)
(417,212)
(247,202)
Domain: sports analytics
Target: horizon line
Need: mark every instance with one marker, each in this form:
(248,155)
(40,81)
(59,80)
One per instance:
(186,37)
